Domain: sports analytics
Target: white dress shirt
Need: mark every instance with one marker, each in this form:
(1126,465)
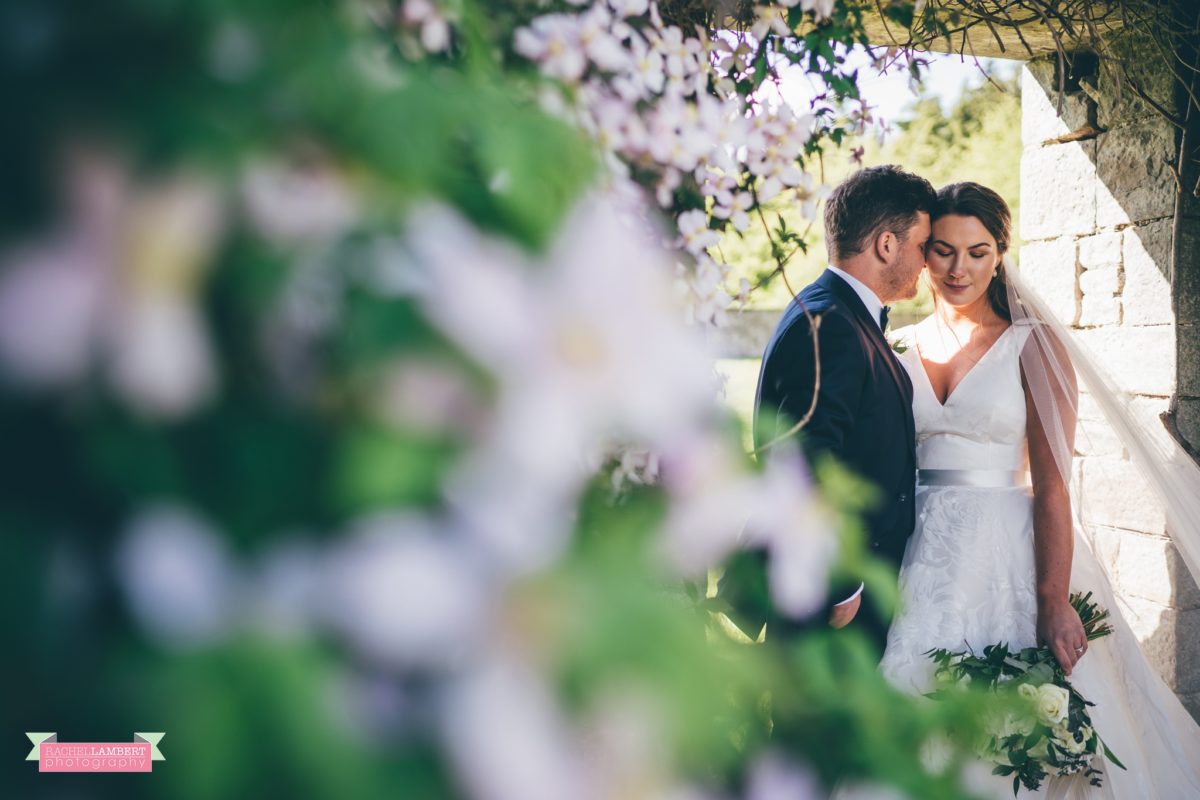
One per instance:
(870,299)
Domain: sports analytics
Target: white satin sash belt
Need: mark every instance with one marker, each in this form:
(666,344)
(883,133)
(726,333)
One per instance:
(979,478)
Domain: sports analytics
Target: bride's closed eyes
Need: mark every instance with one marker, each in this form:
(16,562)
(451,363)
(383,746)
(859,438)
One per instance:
(944,250)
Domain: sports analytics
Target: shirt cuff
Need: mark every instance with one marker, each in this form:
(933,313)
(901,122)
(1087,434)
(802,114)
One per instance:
(851,597)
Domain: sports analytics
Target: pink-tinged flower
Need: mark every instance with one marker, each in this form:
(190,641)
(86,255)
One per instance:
(695,235)
(733,206)
(773,776)
(717,506)
(403,593)
(431,22)
(50,302)
(587,345)
(821,9)
(553,42)
(179,579)
(114,291)
(161,360)
(506,737)
(769,19)
(683,55)
(629,8)
(598,42)
(297,205)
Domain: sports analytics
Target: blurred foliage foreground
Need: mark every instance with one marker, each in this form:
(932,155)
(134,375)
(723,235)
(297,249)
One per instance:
(354,440)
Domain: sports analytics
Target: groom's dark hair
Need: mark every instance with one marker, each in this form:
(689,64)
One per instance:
(870,201)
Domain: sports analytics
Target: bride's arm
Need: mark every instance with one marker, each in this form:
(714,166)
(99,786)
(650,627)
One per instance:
(1058,624)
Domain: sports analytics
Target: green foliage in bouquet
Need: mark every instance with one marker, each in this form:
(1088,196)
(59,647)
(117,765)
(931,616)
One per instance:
(1042,728)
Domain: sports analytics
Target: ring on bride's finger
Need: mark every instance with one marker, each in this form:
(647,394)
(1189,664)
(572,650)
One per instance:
(1079,650)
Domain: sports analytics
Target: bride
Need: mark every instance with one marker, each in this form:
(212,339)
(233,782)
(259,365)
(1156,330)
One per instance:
(998,545)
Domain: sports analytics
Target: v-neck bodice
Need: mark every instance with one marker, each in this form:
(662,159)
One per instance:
(982,423)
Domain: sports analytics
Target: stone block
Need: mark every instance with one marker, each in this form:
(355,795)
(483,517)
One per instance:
(1171,641)
(1187,419)
(1097,438)
(1185,273)
(1106,546)
(1113,493)
(1188,355)
(1101,252)
(1150,567)
(1050,267)
(1099,309)
(1104,282)
(1141,360)
(1192,703)
(1147,290)
(1133,167)
(1040,118)
(1117,102)
(1058,190)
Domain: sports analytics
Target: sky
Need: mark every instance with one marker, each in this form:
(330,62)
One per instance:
(944,78)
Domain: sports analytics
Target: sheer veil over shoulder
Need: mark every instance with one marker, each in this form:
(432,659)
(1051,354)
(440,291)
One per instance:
(1155,728)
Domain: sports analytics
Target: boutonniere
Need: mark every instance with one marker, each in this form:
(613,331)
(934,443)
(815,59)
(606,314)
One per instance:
(898,346)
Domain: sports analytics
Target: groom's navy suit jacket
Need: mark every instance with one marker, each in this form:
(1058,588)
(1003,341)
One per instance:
(863,415)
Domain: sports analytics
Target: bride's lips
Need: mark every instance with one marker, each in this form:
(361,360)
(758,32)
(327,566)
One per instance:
(955,288)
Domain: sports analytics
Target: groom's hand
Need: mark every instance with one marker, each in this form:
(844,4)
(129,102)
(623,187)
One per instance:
(844,612)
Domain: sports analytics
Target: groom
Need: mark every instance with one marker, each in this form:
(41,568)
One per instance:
(876,227)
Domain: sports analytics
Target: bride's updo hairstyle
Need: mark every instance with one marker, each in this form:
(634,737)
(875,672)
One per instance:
(968,199)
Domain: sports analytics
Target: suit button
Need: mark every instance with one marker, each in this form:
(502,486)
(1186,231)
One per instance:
(903,497)
(874,545)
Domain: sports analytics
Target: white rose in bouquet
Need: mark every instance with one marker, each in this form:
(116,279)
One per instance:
(1052,703)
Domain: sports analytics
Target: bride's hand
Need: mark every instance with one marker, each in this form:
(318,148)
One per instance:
(1059,628)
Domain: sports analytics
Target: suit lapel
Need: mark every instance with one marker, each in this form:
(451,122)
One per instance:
(850,299)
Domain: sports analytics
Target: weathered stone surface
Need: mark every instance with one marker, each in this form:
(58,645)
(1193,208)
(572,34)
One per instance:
(1100,253)
(1096,438)
(1147,292)
(1141,359)
(1171,641)
(1113,493)
(1099,309)
(1133,165)
(1040,120)
(1188,354)
(1187,418)
(1050,268)
(1186,271)
(1150,567)
(1058,190)
(1106,545)
(1192,703)
(1104,282)
(1117,102)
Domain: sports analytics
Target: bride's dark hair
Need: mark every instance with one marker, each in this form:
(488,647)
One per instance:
(968,199)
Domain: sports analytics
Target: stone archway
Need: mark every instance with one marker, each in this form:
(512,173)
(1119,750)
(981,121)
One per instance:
(1113,243)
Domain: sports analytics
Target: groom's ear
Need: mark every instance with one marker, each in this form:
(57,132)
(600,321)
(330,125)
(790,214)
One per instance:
(886,245)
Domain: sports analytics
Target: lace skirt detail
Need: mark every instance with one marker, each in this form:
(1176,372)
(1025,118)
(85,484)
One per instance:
(967,579)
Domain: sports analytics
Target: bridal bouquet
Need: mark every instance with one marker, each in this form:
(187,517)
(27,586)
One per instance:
(1049,730)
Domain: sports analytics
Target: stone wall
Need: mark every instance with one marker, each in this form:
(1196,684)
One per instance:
(1099,222)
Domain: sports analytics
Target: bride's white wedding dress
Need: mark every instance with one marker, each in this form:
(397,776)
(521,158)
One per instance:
(967,579)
